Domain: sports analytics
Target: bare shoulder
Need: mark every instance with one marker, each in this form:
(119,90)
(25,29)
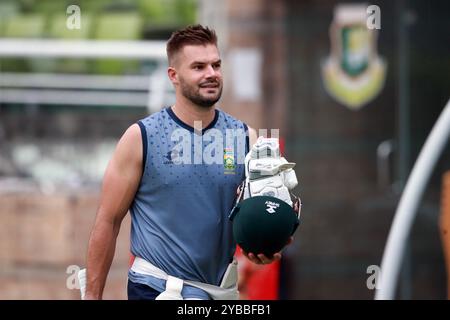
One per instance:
(122,176)
(129,147)
(132,134)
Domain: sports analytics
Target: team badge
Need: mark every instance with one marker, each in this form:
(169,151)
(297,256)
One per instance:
(228,161)
(353,74)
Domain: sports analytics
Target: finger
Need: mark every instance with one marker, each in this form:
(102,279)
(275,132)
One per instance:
(275,257)
(264,259)
(245,254)
(297,206)
(254,259)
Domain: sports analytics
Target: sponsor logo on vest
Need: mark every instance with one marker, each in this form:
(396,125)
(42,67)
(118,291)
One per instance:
(171,157)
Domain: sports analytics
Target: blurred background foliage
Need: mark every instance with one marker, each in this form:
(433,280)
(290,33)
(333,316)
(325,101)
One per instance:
(114,20)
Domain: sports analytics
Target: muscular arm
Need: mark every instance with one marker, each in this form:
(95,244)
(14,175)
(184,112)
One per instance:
(120,184)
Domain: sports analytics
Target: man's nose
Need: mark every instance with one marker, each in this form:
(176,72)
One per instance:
(210,72)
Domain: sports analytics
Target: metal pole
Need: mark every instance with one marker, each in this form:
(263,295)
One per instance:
(404,135)
(409,202)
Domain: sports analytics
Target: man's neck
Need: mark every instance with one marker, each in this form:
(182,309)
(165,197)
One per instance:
(190,113)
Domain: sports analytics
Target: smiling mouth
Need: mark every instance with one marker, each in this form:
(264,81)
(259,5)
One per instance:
(210,86)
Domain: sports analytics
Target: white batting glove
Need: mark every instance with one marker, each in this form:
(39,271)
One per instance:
(267,173)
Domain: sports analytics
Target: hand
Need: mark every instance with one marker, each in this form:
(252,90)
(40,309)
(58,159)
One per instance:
(297,206)
(238,190)
(262,259)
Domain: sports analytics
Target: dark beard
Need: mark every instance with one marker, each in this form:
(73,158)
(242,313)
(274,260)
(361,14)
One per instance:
(195,97)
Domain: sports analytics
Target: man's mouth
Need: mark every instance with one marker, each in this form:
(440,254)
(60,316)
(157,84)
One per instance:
(210,85)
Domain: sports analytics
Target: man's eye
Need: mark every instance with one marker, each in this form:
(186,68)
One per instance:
(197,67)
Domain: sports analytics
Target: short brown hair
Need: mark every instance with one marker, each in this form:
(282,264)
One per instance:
(191,35)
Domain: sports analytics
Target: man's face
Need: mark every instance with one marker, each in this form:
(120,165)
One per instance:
(199,74)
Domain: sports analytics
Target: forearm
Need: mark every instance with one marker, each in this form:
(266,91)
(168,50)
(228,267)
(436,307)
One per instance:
(100,255)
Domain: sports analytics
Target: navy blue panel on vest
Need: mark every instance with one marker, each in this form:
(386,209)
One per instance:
(188,187)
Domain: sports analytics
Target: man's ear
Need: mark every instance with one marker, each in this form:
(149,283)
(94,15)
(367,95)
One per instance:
(173,75)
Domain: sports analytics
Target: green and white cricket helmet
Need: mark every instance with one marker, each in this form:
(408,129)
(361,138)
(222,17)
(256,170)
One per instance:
(263,224)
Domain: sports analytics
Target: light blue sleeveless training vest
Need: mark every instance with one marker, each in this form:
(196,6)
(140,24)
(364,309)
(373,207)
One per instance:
(180,211)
